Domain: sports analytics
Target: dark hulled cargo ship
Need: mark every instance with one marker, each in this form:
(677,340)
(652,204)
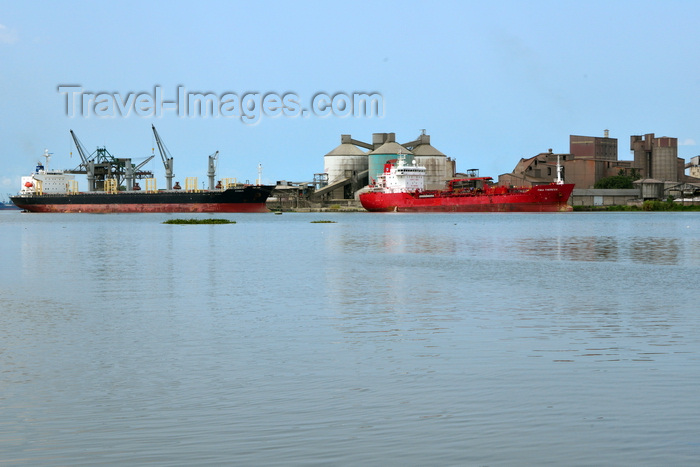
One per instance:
(57,191)
(249,198)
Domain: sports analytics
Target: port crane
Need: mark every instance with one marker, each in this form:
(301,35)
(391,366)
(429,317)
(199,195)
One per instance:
(167,159)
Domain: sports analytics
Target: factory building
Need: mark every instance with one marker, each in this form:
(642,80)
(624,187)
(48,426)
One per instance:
(657,158)
(537,170)
(594,147)
(592,158)
(589,159)
(694,166)
(355,164)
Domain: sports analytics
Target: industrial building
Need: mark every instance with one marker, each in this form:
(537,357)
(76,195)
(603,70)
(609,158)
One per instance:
(657,158)
(354,164)
(694,167)
(592,158)
(589,159)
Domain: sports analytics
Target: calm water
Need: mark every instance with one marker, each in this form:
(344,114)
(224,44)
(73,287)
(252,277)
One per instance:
(383,339)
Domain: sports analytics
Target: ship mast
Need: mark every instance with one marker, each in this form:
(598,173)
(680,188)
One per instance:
(47,155)
(559,180)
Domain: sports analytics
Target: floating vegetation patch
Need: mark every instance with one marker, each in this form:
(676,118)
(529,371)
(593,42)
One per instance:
(323,222)
(198,221)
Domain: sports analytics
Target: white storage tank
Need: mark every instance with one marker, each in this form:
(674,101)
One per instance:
(345,160)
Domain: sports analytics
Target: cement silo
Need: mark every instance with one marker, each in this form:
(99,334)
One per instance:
(656,157)
(384,153)
(438,167)
(345,160)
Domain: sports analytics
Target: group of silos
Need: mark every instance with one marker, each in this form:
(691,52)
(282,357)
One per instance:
(354,157)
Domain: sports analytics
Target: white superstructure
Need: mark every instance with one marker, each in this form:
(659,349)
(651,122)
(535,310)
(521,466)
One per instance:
(46,181)
(401,177)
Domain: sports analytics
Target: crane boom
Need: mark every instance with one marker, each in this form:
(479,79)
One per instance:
(166,158)
(81,150)
(143,163)
(89,164)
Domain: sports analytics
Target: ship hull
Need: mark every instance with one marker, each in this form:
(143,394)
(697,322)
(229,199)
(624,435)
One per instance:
(543,198)
(245,199)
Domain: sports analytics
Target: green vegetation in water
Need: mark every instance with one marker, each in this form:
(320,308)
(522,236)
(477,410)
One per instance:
(323,222)
(198,221)
(649,205)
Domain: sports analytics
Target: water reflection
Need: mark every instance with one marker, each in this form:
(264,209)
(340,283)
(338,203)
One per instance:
(654,250)
(376,286)
(400,283)
(646,250)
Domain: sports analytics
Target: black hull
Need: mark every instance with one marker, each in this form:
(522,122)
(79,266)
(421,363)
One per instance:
(242,199)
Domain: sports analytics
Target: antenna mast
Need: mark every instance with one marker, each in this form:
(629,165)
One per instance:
(559,180)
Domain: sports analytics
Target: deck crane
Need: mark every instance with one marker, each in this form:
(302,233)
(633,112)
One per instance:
(212,169)
(167,159)
(132,172)
(138,167)
(101,166)
(86,163)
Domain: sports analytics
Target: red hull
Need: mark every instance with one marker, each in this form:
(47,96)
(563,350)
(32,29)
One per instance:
(159,207)
(541,198)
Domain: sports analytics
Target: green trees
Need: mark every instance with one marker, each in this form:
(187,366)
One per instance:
(619,181)
(615,182)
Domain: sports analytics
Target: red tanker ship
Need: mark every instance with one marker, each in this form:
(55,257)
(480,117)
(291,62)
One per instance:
(400,189)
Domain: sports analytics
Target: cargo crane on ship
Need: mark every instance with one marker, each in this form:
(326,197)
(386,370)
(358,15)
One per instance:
(87,164)
(166,158)
(101,165)
(211,173)
(132,173)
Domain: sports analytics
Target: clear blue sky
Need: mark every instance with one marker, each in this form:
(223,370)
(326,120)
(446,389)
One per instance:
(491,82)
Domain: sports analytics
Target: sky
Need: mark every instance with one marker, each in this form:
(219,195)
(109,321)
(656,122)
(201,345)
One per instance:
(491,82)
